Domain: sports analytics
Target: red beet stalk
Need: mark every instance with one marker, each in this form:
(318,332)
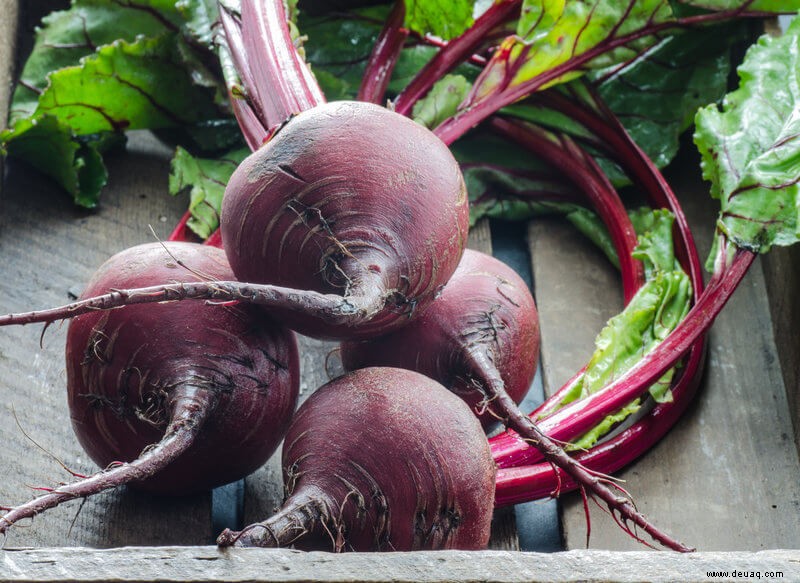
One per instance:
(384,56)
(525,483)
(579,167)
(507,447)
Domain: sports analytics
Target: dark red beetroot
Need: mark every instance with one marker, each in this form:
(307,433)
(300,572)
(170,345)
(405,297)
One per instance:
(381,459)
(212,386)
(486,308)
(352,199)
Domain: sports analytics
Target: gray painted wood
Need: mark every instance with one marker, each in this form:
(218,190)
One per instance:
(210,564)
(782,274)
(726,478)
(9,14)
(48,248)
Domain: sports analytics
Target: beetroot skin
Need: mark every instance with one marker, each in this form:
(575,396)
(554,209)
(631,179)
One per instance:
(381,459)
(128,368)
(484,308)
(352,199)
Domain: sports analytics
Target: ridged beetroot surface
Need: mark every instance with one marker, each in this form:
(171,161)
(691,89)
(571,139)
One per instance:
(353,199)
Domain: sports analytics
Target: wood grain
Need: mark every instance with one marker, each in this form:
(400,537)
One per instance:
(177,564)
(726,478)
(782,275)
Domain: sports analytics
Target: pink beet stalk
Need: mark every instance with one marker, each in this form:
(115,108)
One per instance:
(276,82)
(617,143)
(515,485)
(507,447)
(384,56)
(576,418)
(280,78)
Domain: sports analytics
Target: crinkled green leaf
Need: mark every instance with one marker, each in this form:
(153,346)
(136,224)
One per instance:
(338,49)
(503,182)
(499,175)
(593,228)
(499,192)
(206,180)
(126,52)
(121,87)
(200,18)
(652,313)
(209,137)
(655,249)
(750,147)
(411,60)
(74,162)
(67,36)
(656,95)
(550,33)
(547,117)
(442,18)
(442,101)
(592,436)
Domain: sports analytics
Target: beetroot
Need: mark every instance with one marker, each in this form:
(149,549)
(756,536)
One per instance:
(381,459)
(192,395)
(485,308)
(352,199)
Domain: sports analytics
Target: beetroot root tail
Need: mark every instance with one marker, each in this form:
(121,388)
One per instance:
(190,410)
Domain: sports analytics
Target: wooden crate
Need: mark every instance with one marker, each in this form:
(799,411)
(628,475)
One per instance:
(727,479)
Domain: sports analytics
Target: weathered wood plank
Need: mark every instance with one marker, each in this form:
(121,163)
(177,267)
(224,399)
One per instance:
(48,248)
(782,274)
(727,477)
(9,17)
(210,564)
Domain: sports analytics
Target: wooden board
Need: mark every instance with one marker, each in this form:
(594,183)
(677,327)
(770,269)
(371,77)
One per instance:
(727,477)
(255,565)
(782,275)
